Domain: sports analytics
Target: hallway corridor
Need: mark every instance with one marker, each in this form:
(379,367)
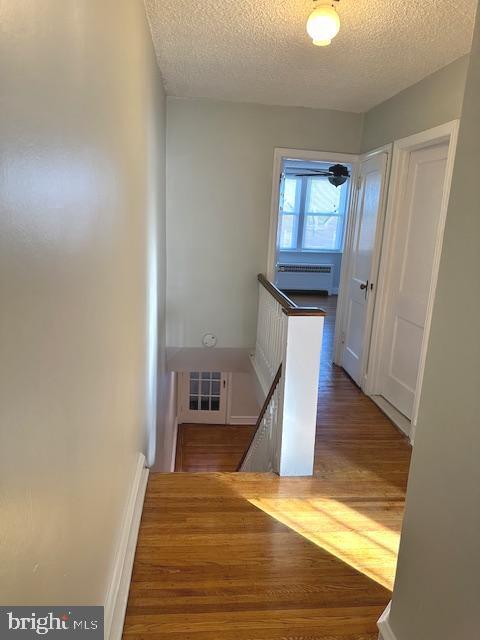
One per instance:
(224,556)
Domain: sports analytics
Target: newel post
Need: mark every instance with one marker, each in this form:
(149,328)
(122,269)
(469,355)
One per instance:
(299,395)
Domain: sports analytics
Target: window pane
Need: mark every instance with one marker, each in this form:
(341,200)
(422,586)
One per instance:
(322,232)
(288,231)
(291,195)
(322,197)
(205,391)
(194,386)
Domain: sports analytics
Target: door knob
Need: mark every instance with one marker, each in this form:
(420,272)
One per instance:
(364,286)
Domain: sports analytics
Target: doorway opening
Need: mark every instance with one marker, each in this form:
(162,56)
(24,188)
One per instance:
(375,241)
(309,220)
(311,226)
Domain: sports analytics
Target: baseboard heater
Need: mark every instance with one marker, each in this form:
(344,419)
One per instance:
(305,277)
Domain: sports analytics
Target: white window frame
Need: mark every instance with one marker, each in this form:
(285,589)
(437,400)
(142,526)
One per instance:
(302,214)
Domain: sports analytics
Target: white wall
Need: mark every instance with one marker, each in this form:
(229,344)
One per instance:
(433,101)
(220,160)
(80,139)
(243,398)
(438,577)
(167,424)
(219,180)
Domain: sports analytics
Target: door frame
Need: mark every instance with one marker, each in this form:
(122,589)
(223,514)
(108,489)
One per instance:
(280,154)
(347,262)
(402,148)
(184,414)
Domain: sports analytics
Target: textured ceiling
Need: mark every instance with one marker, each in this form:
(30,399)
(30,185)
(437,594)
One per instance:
(258,50)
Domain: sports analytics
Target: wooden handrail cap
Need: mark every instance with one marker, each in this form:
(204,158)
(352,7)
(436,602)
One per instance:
(289,307)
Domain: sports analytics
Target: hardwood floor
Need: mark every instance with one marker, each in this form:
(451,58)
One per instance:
(224,556)
(211,447)
(212,564)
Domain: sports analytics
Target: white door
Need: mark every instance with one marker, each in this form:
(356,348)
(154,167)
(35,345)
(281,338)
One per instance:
(362,266)
(202,397)
(415,237)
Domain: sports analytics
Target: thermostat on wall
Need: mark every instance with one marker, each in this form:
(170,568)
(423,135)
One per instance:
(209,340)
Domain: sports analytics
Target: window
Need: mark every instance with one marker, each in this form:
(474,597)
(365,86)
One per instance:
(205,390)
(292,191)
(312,213)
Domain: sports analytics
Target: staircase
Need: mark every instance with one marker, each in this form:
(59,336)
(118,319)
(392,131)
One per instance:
(260,451)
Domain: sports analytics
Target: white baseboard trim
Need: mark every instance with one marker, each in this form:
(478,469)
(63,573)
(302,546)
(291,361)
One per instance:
(242,420)
(174,446)
(117,596)
(395,416)
(383,624)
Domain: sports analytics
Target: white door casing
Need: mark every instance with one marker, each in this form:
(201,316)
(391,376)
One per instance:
(402,149)
(359,285)
(415,232)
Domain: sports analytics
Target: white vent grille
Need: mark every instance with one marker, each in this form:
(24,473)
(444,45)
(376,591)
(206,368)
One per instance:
(305,268)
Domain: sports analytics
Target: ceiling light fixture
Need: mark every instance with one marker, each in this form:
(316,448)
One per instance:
(323,23)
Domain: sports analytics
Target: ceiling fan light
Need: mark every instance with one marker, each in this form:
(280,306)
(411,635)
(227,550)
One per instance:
(323,25)
(339,176)
(337,181)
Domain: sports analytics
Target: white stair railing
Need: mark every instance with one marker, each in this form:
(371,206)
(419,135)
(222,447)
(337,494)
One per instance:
(261,451)
(271,332)
(289,335)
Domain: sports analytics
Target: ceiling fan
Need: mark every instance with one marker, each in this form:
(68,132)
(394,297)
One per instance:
(337,174)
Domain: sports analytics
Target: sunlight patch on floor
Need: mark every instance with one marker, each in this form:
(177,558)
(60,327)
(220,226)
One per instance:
(362,536)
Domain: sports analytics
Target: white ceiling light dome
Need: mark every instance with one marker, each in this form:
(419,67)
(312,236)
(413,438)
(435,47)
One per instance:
(323,25)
